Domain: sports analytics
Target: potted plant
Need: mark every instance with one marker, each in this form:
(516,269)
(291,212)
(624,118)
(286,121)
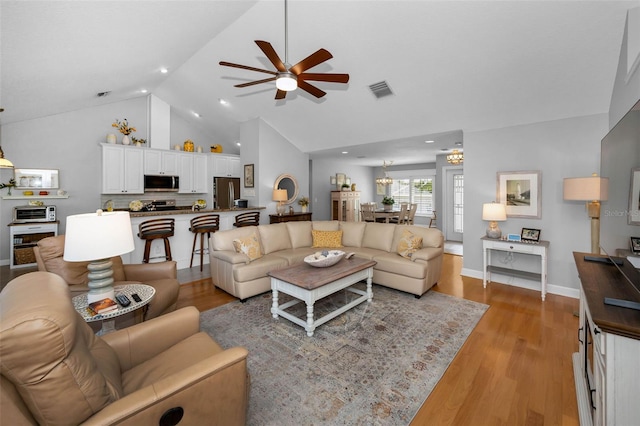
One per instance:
(388,203)
(304,203)
(124,128)
(138,142)
(345,187)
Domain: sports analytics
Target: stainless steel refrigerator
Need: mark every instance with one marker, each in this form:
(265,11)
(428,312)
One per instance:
(225,191)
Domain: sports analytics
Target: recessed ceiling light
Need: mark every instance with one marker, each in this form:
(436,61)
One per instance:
(143,91)
(223,102)
(196,114)
(164,70)
(238,143)
(345,152)
(429,141)
(458,143)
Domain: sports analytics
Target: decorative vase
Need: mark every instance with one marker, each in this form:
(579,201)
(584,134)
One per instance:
(388,207)
(303,208)
(188,146)
(137,143)
(9,192)
(126,140)
(111,138)
(353,186)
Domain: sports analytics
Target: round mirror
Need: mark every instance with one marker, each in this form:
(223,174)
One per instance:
(289,183)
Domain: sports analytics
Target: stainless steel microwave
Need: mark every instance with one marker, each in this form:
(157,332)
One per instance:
(161,183)
(27,214)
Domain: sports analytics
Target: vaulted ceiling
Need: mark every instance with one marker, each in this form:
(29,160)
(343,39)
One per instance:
(453,66)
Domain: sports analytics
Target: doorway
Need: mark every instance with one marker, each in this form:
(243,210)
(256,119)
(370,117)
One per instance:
(453,204)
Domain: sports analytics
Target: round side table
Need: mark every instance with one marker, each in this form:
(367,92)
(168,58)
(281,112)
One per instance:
(146,293)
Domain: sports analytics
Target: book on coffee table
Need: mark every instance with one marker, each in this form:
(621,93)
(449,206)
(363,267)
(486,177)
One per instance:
(103,306)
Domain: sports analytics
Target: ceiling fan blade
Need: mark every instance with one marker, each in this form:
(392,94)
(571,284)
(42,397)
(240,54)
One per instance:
(268,50)
(245,67)
(311,89)
(311,61)
(280,94)
(251,83)
(332,78)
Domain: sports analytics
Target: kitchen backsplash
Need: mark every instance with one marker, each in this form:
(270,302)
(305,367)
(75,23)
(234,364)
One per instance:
(122,201)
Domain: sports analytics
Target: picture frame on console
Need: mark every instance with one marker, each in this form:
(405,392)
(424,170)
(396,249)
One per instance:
(633,217)
(634,244)
(521,193)
(530,235)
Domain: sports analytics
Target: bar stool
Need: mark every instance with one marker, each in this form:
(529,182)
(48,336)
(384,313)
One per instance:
(154,229)
(202,225)
(247,219)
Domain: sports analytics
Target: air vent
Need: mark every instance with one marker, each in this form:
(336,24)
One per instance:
(381,89)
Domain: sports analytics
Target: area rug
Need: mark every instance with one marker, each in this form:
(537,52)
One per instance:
(374,364)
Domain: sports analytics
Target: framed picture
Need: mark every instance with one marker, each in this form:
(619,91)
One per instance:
(340,179)
(36,178)
(634,198)
(521,192)
(529,234)
(380,189)
(248,175)
(635,245)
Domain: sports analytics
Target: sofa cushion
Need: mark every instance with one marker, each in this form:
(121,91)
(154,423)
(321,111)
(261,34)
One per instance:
(409,244)
(431,237)
(248,245)
(326,225)
(328,239)
(69,374)
(300,234)
(378,236)
(223,240)
(274,237)
(258,268)
(398,265)
(352,233)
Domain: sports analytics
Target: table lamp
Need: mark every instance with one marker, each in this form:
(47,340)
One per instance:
(494,212)
(591,189)
(280,195)
(96,237)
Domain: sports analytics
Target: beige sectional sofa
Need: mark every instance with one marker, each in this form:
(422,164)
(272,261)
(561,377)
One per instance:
(285,244)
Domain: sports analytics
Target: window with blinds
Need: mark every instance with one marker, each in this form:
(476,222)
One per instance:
(414,190)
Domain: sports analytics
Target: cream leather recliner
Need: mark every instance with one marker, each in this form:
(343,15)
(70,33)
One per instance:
(161,276)
(55,371)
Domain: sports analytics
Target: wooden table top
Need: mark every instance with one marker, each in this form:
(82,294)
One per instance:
(310,277)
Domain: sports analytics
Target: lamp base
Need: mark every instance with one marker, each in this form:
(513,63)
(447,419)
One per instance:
(100,281)
(493,231)
(280,208)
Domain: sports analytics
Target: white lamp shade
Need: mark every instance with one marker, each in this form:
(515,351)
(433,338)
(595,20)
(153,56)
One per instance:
(280,195)
(99,235)
(494,212)
(590,188)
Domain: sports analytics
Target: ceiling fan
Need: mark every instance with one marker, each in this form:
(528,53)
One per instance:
(288,77)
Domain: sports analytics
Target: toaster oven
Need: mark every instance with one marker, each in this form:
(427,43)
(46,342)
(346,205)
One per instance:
(28,214)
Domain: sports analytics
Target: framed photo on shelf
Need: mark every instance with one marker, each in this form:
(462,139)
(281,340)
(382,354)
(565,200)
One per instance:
(528,234)
(634,198)
(248,175)
(521,193)
(634,245)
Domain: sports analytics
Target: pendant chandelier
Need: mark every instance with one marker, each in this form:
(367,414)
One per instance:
(456,157)
(386,179)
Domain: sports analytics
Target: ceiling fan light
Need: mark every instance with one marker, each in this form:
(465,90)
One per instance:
(287,81)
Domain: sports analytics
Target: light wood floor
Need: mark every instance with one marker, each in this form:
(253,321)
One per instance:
(514,369)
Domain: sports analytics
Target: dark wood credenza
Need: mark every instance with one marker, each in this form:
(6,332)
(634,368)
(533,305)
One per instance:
(289,217)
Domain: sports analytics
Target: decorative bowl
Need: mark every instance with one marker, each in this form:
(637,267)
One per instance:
(322,259)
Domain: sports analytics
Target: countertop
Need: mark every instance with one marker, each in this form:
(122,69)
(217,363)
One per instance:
(187,210)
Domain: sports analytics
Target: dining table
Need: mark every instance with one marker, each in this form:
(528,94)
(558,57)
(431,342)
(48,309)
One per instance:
(386,214)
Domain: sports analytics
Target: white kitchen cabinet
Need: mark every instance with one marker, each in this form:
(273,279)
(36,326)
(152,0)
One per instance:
(226,166)
(193,173)
(122,170)
(160,162)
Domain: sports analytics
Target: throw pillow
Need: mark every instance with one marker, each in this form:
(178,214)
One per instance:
(327,239)
(409,244)
(248,245)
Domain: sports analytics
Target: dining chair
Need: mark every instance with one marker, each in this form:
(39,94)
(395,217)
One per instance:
(367,210)
(432,222)
(412,213)
(402,216)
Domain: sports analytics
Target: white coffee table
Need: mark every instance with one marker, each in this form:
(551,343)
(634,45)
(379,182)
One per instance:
(146,293)
(309,284)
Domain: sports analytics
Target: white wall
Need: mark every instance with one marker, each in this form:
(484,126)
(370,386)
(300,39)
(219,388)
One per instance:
(626,89)
(559,149)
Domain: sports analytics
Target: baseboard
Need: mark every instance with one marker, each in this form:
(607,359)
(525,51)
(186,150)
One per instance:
(523,283)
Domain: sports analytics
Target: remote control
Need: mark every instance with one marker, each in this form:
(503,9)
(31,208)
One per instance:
(136,297)
(123,300)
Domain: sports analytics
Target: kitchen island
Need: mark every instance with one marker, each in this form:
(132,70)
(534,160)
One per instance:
(182,241)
